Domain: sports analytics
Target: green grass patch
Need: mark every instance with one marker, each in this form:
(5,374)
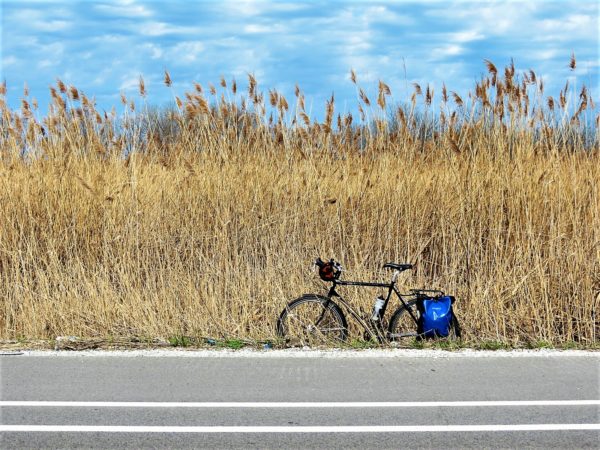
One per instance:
(234,344)
(180,341)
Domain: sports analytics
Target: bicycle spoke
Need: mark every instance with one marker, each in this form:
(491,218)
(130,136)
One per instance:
(403,326)
(312,323)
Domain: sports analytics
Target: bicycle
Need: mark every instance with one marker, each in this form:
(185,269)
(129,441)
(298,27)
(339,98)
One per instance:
(315,319)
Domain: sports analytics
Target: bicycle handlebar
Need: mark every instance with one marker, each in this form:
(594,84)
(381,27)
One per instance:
(329,271)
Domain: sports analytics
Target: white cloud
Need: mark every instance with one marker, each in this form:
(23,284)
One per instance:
(156,29)
(186,52)
(156,52)
(103,75)
(382,14)
(243,7)
(39,20)
(249,8)
(567,27)
(50,25)
(260,28)
(447,51)
(124,8)
(465,36)
(9,60)
(24,14)
(586,67)
(490,18)
(350,17)
(54,50)
(545,54)
(130,81)
(358,42)
(44,63)
(109,39)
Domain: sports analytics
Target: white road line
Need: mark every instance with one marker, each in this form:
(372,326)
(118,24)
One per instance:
(298,429)
(92,404)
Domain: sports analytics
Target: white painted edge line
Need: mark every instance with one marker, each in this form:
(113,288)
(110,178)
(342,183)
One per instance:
(97,404)
(313,353)
(297,429)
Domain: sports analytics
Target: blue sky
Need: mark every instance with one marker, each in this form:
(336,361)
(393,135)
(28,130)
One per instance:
(102,47)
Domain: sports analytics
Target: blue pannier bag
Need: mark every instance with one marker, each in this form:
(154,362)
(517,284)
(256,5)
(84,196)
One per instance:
(435,316)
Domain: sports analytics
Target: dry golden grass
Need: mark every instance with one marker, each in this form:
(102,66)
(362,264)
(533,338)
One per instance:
(204,220)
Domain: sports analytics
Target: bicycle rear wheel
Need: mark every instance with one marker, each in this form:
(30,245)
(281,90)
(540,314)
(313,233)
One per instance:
(403,327)
(312,320)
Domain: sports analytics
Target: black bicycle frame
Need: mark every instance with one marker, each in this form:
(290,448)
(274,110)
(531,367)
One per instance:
(391,287)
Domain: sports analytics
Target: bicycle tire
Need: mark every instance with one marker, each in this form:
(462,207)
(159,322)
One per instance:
(403,327)
(312,320)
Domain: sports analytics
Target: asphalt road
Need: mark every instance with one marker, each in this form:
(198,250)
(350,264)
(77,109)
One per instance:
(253,402)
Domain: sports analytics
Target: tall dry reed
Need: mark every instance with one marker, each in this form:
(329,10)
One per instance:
(203,219)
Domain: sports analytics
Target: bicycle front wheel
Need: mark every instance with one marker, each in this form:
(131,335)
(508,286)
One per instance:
(312,320)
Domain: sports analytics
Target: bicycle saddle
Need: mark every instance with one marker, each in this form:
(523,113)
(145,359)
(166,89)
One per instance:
(399,267)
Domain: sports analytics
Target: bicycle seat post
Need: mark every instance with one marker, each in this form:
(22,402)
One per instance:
(395,276)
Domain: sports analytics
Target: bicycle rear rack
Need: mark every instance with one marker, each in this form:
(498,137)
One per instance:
(427,292)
